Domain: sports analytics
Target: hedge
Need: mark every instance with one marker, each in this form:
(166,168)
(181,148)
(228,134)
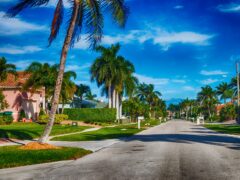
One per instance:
(43,119)
(90,115)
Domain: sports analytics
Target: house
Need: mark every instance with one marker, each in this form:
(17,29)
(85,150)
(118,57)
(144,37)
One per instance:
(220,106)
(19,100)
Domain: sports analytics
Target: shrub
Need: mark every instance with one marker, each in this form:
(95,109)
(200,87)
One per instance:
(6,118)
(43,119)
(92,115)
(21,115)
(228,113)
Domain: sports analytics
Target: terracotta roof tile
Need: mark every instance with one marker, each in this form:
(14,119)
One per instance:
(13,81)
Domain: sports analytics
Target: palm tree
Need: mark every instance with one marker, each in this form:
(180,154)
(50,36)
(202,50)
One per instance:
(81,91)
(90,96)
(68,87)
(103,71)
(6,68)
(37,81)
(82,11)
(146,93)
(207,97)
(224,92)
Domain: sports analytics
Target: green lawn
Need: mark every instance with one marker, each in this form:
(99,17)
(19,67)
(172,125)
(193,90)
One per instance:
(33,130)
(104,133)
(228,129)
(12,156)
(150,123)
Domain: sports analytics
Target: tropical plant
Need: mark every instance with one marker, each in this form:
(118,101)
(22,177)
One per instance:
(6,69)
(90,96)
(115,74)
(228,112)
(81,91)
(207,99)
(84,11)
(3,103)
(224,92)
(37,81)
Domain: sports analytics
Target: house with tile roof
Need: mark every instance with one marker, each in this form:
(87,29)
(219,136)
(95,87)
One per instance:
(19,100)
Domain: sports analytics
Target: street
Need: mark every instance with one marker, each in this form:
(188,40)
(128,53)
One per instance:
(174,150)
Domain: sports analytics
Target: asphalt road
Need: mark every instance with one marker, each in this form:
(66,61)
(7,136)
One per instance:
(174,150)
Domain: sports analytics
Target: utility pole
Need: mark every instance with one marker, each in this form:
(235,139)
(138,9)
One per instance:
(237,71)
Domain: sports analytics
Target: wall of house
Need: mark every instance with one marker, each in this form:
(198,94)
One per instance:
(29,102)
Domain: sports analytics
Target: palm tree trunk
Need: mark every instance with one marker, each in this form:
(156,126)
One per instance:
(117,105)
(58,86)
(109,97)
(62,107)
(114,98)
(120,107)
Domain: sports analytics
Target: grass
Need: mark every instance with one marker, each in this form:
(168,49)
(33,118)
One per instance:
(30,131)
(12,156)
(109,132)
(228,129)
(104,133)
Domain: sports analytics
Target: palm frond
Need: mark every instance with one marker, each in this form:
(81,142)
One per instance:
(57,21)
(94,22)
(23,4)
(118,9)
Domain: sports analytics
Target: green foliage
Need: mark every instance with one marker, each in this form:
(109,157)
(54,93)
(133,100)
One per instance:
(92,115)
(134,108)
(3,102)
(43,119)
(12,156)
(22,115)
(228,113)
(6,118)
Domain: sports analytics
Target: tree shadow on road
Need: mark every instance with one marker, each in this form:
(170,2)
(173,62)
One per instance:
(219,140)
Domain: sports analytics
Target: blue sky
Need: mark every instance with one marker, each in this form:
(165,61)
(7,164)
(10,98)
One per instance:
(177,45)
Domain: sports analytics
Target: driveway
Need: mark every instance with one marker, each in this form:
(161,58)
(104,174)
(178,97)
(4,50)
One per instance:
(174,150)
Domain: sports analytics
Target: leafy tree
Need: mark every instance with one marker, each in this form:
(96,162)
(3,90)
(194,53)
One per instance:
(84,12)
(90,96)
(6,69)
(37,80)
(208,100)
(81,91)
(228,112)
(3,102)
(224,92)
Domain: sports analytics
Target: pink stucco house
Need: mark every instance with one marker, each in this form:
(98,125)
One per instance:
(18,100)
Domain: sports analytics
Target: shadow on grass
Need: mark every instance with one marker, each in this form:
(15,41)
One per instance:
(18,134)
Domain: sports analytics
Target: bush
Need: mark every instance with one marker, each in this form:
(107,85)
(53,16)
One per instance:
(6,118)
(89,115)
(228,113)
(43,119)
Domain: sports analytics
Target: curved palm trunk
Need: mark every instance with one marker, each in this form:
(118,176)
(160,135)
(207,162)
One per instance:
(65,48)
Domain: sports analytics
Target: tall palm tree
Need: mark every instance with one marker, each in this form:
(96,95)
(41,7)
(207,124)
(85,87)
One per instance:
(103,70)
(6,68)
(207,97)
(224,92)
(146,93)
(82,11)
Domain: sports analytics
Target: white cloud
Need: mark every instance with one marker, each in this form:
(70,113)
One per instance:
(179,81)
(78,67)
(22,64)
(209,81)
(151,80)
(16,26)
(10,49)
(188,88)
(229,8)
(211,73)
(178,7)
